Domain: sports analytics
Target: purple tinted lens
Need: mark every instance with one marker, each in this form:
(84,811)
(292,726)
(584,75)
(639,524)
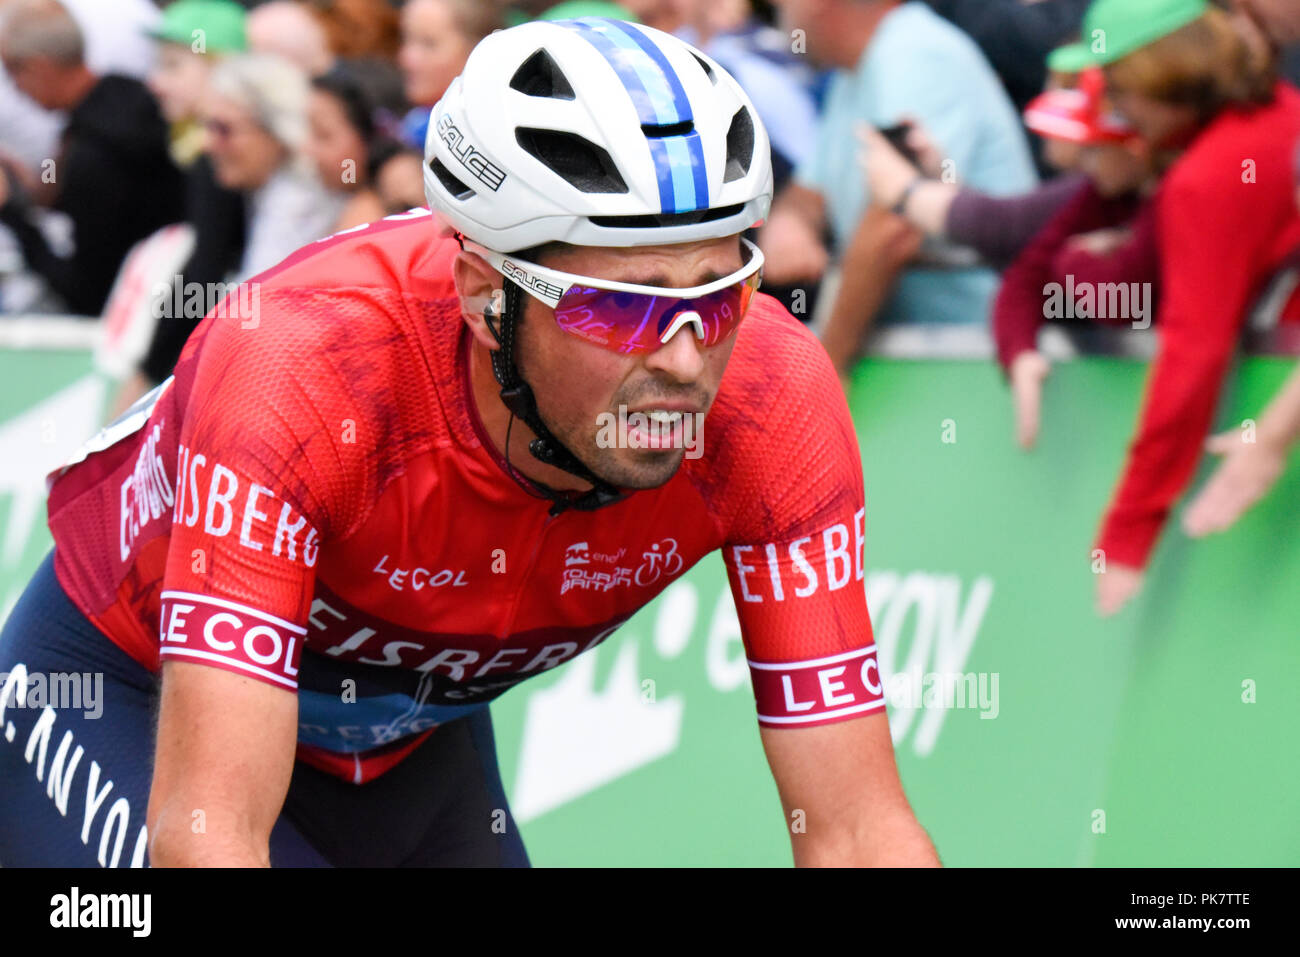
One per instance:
(633,322)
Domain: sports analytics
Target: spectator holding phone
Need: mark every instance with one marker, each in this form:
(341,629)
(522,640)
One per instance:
(1102,238)
(996,228)
(892,59)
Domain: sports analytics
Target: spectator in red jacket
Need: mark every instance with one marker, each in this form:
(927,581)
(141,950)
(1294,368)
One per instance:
(1249,468)
(1210,107)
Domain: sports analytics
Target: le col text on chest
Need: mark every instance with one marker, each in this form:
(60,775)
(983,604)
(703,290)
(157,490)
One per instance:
(419,577)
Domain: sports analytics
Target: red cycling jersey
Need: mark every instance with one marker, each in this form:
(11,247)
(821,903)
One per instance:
(311,501)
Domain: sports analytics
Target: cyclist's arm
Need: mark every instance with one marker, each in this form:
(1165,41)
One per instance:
(794,536)
(224,757)
(261,486)
(843,801)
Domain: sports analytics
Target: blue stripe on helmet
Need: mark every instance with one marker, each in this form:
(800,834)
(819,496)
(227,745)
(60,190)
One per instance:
(682,105)
(651,91)
(679,156)
(664,174)
(694,152)
(694,147)
(660,100)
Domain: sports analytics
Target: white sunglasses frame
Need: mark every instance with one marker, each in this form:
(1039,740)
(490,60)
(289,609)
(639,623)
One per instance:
(550,285)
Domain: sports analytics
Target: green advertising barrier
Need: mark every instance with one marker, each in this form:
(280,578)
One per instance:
(1164,736)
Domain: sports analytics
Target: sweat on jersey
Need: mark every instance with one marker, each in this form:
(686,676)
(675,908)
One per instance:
(312,501)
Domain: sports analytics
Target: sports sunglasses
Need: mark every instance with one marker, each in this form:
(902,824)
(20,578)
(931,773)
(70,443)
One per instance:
(632,319)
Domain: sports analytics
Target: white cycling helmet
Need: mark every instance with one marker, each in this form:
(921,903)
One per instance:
(596,132)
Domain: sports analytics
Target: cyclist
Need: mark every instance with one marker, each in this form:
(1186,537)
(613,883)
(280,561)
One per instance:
(409,468)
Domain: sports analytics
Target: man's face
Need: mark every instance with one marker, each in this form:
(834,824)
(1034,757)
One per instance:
(579,386)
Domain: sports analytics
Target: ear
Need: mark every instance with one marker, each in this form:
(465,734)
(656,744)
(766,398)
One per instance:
(479,288)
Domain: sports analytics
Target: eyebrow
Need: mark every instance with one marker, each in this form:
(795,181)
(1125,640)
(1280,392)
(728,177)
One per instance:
(660,280)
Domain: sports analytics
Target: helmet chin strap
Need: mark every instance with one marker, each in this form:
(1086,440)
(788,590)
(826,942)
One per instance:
(519,399)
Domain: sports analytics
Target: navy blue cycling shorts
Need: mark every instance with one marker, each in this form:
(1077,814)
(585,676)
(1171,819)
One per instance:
(74,779)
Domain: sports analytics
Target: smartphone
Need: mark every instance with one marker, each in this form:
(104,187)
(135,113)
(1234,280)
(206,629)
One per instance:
(897,136)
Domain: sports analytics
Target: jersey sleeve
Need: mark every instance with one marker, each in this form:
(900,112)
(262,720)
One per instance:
(272,464)
(795,538)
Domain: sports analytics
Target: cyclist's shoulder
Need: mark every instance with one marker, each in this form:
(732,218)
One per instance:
(371,294)
(402,255)
(777,364)
(779,435)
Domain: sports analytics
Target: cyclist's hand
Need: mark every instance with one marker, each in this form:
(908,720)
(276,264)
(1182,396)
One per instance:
(1245,475)
(1028,370)
(792,249)
(1115,586)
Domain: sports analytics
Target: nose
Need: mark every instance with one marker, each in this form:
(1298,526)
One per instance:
(682,356)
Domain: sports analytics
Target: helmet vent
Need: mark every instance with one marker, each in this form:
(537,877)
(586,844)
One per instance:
(664,220)
(708,70)
(740,145)
(449,182)
(539,75)
(580,162)
(669,129)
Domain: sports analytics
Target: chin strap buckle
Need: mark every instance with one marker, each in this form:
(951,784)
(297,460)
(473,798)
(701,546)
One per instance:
(518,399)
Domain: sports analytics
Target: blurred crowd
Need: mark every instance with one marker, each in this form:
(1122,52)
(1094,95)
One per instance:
(998,164)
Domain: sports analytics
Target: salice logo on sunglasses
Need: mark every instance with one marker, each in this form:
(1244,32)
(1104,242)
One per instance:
(655,429)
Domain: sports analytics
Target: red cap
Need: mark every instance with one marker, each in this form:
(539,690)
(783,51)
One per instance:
(1075,115)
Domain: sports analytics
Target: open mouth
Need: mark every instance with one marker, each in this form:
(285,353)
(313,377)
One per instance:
(655,429)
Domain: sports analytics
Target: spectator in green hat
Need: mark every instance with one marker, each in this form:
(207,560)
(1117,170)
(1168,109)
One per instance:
(573,9)
(1221,129)
(1115,28)
(192,36)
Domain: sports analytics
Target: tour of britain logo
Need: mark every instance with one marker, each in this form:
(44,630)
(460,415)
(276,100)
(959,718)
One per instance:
(601,571)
